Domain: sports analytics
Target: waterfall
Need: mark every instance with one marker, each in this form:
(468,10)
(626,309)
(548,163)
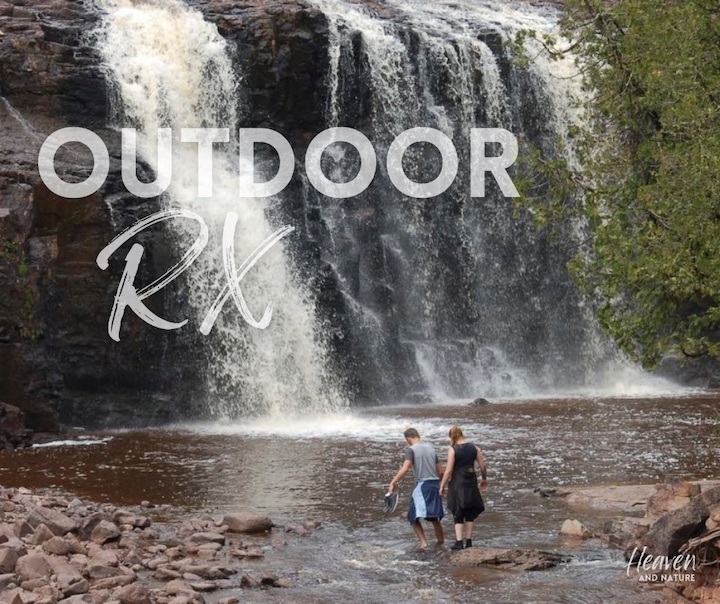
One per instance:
(170,68)
(454,296)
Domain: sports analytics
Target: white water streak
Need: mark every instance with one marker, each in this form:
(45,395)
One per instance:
(171,68)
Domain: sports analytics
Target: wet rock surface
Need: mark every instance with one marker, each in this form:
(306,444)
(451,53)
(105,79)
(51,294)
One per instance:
(514,559)
(680,525)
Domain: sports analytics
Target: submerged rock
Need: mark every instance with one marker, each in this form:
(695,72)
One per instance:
(515,559)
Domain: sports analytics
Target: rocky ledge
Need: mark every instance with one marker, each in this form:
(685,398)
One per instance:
(511,559)
(676,541)
(54,549)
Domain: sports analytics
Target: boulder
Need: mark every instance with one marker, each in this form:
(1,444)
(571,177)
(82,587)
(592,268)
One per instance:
(574,528)
(136,593)
(247,523)
(57,522)
(624,532)
(104,531)
(8,559)
(33,566)
(670,531)
(41,535)
(78,599)
(88,524)
(668,498)
(56,546)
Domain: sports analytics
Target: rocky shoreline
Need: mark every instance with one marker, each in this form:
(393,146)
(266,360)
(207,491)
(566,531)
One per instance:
(670,533)
(56,549)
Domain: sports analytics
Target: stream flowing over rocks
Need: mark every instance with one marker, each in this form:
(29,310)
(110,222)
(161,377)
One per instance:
(60,550)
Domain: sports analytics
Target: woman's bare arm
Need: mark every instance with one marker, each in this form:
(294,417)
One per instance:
(448,469)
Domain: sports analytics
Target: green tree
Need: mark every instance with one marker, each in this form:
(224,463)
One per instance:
(649,187)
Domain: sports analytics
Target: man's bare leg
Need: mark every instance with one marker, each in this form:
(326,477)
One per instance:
(420,533)
(439,534)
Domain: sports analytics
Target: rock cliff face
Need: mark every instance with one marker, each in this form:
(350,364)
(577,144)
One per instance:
(56,360)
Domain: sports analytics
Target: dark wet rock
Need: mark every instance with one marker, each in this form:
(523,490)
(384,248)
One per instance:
(480,402)
(13,432)
(516,559)
(248,580)
(670,531)
(203,586)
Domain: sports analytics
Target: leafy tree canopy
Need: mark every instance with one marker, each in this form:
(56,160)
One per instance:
(649,186)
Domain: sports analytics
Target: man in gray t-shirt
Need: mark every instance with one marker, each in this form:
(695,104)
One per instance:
(424,461)
(426,501)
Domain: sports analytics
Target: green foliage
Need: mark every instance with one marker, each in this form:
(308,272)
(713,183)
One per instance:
(13,254)
(650,183)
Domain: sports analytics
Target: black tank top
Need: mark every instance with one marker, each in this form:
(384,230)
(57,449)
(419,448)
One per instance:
(465,455)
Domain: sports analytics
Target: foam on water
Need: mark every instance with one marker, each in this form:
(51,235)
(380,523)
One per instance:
(73,443)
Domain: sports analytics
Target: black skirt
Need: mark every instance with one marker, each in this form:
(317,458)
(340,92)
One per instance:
(464,497)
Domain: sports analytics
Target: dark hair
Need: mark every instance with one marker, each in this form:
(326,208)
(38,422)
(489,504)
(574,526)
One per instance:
(411,433)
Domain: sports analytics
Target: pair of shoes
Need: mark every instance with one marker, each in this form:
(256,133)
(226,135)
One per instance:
(468,543)
(457,545)
(391,501)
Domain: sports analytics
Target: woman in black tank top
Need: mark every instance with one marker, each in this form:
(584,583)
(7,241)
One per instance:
(464,499)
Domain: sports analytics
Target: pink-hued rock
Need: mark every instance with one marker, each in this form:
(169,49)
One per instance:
(137,593)
(104,531)
(56,521)
(41,535)
(8,560)
(574,528)
(33,566)
(178,587)
(247,523)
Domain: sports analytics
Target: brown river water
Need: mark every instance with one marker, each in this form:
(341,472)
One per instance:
(336,470)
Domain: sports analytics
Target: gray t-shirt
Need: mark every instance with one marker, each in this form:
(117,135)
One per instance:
(424,460)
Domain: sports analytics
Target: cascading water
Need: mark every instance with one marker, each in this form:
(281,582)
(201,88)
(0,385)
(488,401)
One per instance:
(171,68)
(453,296)
(446,297)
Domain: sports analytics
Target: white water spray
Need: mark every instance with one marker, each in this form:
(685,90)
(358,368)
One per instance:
(171,68)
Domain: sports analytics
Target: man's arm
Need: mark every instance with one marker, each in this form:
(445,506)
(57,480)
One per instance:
(407,464)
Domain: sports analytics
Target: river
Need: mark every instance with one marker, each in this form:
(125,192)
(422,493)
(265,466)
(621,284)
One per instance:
(335,469)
